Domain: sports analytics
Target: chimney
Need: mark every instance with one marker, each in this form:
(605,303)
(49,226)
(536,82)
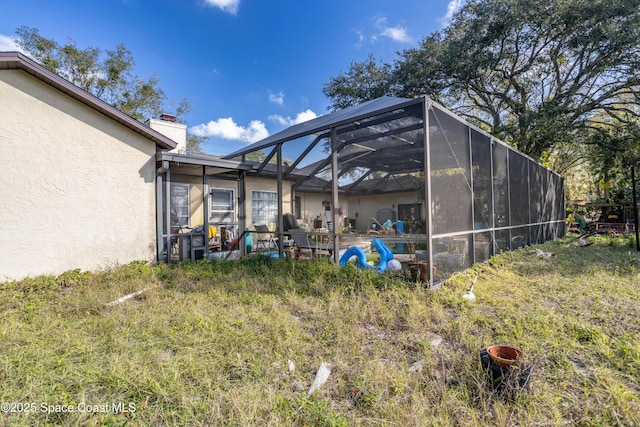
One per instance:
(167,125)
(168,117)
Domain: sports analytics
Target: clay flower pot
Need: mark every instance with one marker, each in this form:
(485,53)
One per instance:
(420,270)
(504,355)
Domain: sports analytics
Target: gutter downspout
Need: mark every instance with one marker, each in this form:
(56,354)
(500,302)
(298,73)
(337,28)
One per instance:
(160,242)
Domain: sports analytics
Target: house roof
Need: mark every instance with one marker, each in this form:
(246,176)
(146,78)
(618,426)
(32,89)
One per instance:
(18,61)
(199,159)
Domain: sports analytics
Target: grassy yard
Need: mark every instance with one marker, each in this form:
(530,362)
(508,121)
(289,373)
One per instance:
(210,343)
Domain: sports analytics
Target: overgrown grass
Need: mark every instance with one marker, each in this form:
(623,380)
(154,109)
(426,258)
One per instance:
(208,343)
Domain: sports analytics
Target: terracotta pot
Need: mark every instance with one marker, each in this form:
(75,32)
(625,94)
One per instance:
(504,355)
(502,378)
(420,270)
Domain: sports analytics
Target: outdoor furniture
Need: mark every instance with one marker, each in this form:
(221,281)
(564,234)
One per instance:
(214,244)
(301,239)
(265,237)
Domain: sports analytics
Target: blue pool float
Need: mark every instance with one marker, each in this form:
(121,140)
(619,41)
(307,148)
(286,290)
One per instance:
(385,256)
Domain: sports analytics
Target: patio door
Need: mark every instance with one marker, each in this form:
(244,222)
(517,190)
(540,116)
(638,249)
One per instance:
(411,215)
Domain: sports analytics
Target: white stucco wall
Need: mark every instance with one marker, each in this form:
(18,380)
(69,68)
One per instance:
(77,189)
(368,206)
(360,208)
(173,130)
(311,206)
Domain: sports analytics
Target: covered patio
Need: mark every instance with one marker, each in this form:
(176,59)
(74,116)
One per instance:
(410,172)
(200,207)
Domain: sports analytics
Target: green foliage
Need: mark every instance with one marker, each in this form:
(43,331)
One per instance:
(614,150)
(309,411)
(540,75)
(364,81)
(43,50)
(194,143)
(108,76)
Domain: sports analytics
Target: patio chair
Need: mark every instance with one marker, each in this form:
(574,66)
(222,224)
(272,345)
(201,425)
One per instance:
(267,241)
(302,242)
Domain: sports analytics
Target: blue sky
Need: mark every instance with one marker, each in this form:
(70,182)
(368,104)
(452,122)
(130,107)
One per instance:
(249,68)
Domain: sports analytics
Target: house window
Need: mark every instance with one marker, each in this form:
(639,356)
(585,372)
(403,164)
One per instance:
(222,206)
(264,207)
(179,205)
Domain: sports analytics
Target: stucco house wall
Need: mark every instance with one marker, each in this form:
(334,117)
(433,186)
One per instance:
(312,206)
(366,207)
(360,208)
(77,187)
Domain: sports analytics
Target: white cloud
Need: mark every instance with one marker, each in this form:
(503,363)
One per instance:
(300,117)
(8,44)
(277,98)
(381,22)
(361,38)
(452,8)
(382,29)
(229,6)
(397,33)
(305,115)
(226,128)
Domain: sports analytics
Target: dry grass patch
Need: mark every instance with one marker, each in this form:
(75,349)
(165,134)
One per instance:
(209,343)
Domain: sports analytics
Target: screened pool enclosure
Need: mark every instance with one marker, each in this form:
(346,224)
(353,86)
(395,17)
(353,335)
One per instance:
(415,175)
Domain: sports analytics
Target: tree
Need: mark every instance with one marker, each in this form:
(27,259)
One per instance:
(539,74)
(613,150)
(364,81)
(194,143)
(109,77)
